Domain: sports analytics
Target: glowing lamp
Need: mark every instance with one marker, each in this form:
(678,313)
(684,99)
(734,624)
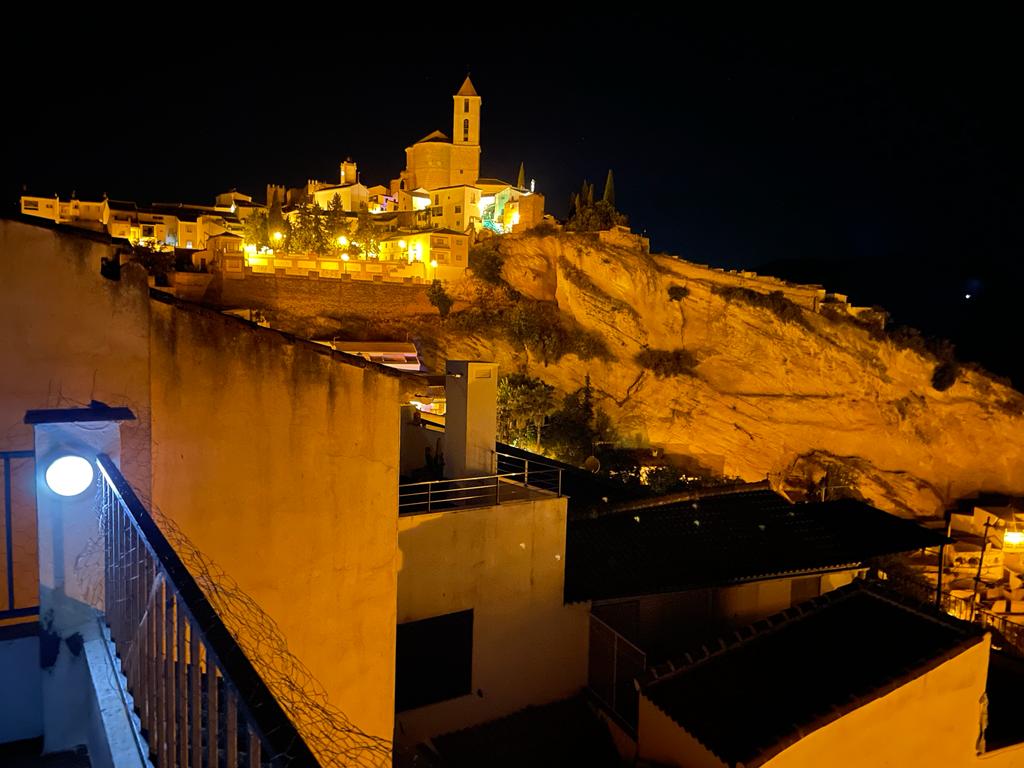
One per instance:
(401,243)
(433,263)
(1013,538)
(69,475)
(342,240)
(278,236)
(344,257)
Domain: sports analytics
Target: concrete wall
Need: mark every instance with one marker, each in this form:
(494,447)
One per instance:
(21,705)
(67,336)
(506,563)
(294,492)
(933,720)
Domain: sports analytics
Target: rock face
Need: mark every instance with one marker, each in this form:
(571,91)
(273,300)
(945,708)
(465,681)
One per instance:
(782,395)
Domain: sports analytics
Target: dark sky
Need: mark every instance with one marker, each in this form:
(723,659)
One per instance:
(882,159)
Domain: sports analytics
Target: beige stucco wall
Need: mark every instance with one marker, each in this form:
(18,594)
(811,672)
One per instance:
(506,563)
(67,336)
(281,465)
(932,720)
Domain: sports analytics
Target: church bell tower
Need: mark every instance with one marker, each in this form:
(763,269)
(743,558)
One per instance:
(466,118)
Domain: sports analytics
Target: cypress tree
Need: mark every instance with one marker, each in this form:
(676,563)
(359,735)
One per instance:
(521,181)
(609,189)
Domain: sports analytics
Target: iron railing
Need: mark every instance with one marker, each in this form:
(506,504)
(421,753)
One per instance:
(516,479)
(9,608)
(200,701)
(961,608)
(613,665)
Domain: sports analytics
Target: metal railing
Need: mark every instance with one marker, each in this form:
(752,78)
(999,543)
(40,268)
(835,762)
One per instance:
(961,608)
(200,701)
(613,664)
(516,479)
(9,608)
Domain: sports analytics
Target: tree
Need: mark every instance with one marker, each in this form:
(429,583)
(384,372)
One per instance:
(609,190)
(308,231)
(438,296)
(257,230)
(523,404)
(366,238)
(275,217)
(336,222)
(521,181)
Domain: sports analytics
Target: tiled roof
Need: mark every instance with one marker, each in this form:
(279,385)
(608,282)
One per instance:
(726,539)
(767,686)
(560,734)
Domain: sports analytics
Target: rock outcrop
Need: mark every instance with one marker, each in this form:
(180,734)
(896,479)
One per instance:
(778,394)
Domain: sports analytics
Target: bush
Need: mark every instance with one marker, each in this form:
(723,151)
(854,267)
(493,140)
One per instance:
(543,229)
(664,363)
(775,302)
(486,263)
(945,375)
(678,292)
(438,296)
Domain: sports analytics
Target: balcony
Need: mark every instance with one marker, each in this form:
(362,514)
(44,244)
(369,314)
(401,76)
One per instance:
(151,676)
(516,479)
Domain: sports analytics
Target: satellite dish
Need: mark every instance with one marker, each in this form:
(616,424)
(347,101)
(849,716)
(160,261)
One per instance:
(592,464)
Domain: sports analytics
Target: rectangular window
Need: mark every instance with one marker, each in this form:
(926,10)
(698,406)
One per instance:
(434,660)
(458,209)
(147,230)
(30,205)
(465,105)
(437,211)
(437,199)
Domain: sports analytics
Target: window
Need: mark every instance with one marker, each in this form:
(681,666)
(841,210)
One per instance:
(147,230)
(30,205)
(438,211)
(458,209)
(434,660)
(465,130)
(437,199)
(465,105)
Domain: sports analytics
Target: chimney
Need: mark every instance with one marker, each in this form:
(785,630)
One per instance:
(471,417)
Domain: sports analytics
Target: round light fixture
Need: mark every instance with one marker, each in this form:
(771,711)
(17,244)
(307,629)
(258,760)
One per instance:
(69,475)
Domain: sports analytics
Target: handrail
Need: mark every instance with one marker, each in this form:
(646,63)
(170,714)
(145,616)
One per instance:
(283,744)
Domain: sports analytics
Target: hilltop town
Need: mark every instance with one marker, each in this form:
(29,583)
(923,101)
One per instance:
(416,228)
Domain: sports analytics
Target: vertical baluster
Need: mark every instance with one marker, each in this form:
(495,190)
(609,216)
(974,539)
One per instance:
(148,679)
(108,573)
(212,712)
(115,578)
(194,671)
(254,749)
(231,730)
(159,679)
(182,692)
(170,726)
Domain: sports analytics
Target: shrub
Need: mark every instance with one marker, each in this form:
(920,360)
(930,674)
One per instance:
(543,229)
(945,375)
(775,302)
(486,263)
(678,292)
(664,363)
(438,296)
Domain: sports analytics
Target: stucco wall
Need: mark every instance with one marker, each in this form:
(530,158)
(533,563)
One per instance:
(506,563)
(932,720)
(67,336)
(281,465)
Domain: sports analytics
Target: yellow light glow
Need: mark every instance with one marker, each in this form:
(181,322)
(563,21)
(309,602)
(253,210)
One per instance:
(342,240)
(1015,538)
(515,218)
(344,257)
(433,263)
(401,243)
(278,236)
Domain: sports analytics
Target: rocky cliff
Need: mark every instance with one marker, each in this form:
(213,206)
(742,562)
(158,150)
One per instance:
(776,388)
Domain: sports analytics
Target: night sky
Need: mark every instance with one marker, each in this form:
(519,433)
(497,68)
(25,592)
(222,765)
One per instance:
(881,160)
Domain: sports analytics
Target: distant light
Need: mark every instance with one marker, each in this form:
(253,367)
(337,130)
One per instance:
(967,295)
(401,243)
(342,240)
(69,475)
(344,257)
(1013,537)
(278,235)
(433,263)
